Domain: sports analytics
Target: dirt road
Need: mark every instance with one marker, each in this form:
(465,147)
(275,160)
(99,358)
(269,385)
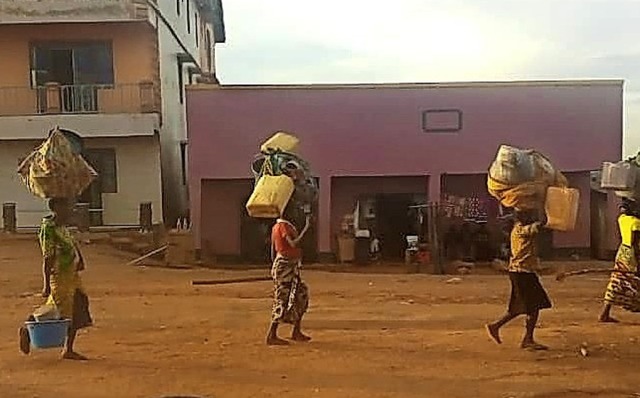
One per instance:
(374,336)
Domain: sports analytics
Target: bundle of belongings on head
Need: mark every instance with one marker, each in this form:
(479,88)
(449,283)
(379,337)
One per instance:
(527,180)
(281,177)
(56,169)
(622,177)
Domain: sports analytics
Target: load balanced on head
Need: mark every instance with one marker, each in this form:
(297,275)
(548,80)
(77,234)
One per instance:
(527,181)
(56,171)
(286,190)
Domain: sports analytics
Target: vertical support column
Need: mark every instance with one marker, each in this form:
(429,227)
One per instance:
(195,201)
(9,219)
(435,187)
(52,93)
(324,216)
(146,216)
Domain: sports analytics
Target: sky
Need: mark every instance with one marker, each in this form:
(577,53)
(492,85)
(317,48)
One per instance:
(376,41)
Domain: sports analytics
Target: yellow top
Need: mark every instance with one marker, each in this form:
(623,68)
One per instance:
(628,225)
(523,248)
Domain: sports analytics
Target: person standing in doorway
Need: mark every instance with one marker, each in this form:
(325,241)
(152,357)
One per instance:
(528,296)
(291,295)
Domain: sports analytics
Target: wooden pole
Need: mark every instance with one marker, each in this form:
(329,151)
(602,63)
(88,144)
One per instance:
(561,276)
(146,256)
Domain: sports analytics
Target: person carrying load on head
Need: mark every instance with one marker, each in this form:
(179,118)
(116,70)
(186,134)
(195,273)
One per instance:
(623,288)
(528,296)
(62,260)
(291,295)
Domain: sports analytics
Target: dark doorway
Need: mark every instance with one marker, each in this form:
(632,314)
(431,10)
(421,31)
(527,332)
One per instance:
(93,196)
(104,163)
(255,238)
(393,223)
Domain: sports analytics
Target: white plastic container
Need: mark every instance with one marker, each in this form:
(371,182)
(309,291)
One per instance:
(621,176)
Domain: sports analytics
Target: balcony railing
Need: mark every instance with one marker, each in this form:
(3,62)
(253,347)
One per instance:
(78,99)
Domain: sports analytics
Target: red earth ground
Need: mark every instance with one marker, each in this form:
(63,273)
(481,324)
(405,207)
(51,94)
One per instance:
(374,335)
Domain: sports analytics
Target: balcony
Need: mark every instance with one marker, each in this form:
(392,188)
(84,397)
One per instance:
(96,110)
(76,99)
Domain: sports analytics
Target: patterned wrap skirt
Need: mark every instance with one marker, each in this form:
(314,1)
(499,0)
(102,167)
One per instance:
(622,290)
(291,295)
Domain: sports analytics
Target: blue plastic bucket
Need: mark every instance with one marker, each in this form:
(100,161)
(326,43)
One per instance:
(48,334)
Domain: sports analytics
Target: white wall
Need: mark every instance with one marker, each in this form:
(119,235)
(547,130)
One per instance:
(174,128)
(138,162)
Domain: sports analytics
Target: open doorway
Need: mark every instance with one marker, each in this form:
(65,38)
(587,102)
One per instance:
(393,223)
(255,238)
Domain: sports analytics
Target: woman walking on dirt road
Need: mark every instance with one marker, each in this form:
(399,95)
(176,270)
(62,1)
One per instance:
(291,295)
(62,263)
(622,289)
(528,296)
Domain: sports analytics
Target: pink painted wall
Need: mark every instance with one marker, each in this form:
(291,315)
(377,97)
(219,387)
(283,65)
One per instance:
(377,130)
(220,214)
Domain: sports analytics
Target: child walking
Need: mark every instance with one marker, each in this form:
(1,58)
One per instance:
(528,296)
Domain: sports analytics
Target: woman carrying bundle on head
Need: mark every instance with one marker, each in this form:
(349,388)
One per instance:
(622,290)
(528,296)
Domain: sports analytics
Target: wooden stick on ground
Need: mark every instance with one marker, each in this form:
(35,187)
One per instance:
(146,256)
(230,281)
(563,275)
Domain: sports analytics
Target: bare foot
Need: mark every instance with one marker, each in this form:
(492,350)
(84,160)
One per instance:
(608,319)
(73,356)
(494,333)
(276,341)
(533,346)
(25,341)
(300,337)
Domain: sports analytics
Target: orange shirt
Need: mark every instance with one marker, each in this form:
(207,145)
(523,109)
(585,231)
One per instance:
(279,234)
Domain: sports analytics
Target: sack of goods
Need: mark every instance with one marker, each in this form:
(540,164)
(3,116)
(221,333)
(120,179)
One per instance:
(622,177)
(281,177)
(526,179)
(56,169)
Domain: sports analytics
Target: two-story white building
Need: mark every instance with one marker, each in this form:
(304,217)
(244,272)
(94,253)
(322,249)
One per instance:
(113,71)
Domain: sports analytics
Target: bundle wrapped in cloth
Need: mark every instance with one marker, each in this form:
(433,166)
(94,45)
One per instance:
(281,177)
(56,169)
(520,178)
